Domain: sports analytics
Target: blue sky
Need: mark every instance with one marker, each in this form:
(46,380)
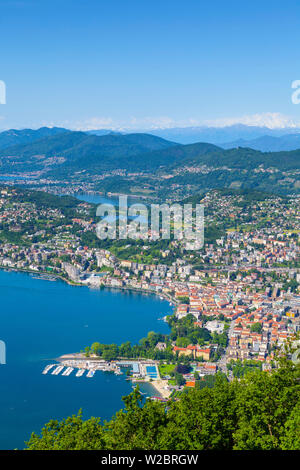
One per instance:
(141,64)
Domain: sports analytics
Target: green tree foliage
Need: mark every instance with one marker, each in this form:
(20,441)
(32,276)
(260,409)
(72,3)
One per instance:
(291,436)
(241,368)
(256,327)
(72,433)
(179,379)
(183,368)
(184,331)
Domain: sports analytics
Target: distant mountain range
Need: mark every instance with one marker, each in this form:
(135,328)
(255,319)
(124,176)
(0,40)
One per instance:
(64,155)
(219,135)
(26,136)
(258,138)
(267,143)
(77,151)
(65,151)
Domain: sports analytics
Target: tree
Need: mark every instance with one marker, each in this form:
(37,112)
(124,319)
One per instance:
(183,368)
(202,419)
(291,437)
(69,434)
(264,403)
(136,427)
(96,348)
(182,342)
(179,379)
(125,349)
(256,327)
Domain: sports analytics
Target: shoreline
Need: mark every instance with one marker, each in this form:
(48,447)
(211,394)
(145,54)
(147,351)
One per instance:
(40,273)
(141,290)
(160,385)
(80,284)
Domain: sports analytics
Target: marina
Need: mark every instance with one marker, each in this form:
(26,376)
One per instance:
(140,371)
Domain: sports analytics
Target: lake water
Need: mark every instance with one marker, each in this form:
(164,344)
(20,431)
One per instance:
(97,199)
(114,200)
(40,320)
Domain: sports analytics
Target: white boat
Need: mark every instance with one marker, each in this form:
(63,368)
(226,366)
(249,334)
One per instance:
(90,373)
(80,372)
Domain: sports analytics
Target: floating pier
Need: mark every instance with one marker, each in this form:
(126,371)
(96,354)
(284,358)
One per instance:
(68,371)
(47,368)
(80,372)
(57,370)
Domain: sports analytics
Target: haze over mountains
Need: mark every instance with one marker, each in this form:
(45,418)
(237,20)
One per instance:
(223,136)
(239,135)
(220,135)
(267,143)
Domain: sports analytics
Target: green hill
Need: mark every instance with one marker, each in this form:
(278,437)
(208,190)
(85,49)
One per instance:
(25,136)
(75,145)
(244,158)
(108,151)
(78,151)
(193,167)
(174,156)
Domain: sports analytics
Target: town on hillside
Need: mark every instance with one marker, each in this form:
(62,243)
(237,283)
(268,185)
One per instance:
(236,300)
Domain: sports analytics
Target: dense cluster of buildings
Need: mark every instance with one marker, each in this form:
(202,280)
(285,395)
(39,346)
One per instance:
(247,278)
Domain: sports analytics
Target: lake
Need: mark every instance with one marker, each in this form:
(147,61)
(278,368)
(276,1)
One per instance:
(41,320)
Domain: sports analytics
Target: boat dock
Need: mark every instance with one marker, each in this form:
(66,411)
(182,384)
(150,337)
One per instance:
(57,370)
(47,368)
(68,371)
(138,369)
(59,367)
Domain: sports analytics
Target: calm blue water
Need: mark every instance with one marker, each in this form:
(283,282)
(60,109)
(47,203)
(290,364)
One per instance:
(14,178)
(41,320)
(97,199)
